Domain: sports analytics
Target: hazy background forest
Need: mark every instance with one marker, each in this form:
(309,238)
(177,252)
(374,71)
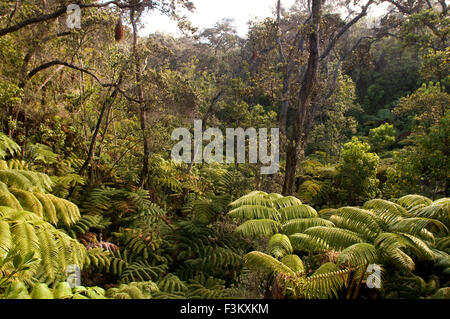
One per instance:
(88,189)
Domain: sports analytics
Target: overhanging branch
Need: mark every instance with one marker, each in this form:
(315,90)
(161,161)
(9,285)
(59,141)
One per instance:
(94,76)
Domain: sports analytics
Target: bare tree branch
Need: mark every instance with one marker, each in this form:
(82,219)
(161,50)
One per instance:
(56,14)
(57,62)
(344,29)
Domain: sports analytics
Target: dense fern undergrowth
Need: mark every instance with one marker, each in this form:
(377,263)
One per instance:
(220,243)
(93,204)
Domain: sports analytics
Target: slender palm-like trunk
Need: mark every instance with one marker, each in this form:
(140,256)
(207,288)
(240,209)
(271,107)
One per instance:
(360,281)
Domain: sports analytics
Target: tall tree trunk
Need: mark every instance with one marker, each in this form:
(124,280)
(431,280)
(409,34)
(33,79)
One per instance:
(107,103)
(302,114)
(284,103)
(142,104)
(286,75)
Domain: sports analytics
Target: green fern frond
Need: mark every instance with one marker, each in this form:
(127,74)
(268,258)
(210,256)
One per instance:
(9,200)
(336,238)
(171,283)
(326,268)
(358,220)
(287,201)
(7,146)
(247,212)
(258,227)
(358,254)
(439,209)
(254,198)
(266,264)
(297,211)
(308,243)
(325,285)
(386,210)
(411,201)
(279,246)
(299,225)
(326,213)
(294,262)
(27,232)
(390,246)
(416,225)
(28,201)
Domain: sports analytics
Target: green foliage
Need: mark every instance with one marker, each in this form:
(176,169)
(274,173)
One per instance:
(397,235)
(357,172)
(382,137)
(27,232)
(86,176)
(7,146)
(133,290)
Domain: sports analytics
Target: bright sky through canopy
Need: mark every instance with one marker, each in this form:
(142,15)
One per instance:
(208,12)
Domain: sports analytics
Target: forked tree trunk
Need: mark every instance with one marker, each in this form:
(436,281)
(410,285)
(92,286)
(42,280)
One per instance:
(297,141)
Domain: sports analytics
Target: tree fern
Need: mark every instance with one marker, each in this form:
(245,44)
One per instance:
(358,220)
(358,254)
(416,225)
(294,262)
(412,201)
(299,225)
(439,209)
(336,238)
(258,227)
(7,146)
(266,264)
(279,246)
(247,212)
(27,232)
(297,211)
(308,243)
(386,210)
(171,283)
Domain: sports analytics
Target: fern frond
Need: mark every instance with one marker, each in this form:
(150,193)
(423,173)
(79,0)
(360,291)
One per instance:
(308,243)
(28,201)
(287,201)
(390,246)
(325,285)
(279,246)
(171,283)
(294,262)
(439,209)
(247,212)
(336,238)
(416,225)
(412,201)
(254,198)
(358,220)
(299,225)
(297,211)
(386,210)
(258,227)
(358,254)
(258,261)
(7,146)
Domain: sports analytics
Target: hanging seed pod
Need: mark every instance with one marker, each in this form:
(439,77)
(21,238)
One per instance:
(120,32)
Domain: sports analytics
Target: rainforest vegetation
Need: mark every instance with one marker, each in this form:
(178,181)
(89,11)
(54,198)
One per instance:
(87,181)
